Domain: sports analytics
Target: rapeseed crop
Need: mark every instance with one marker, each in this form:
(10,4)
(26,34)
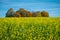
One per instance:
(30,28)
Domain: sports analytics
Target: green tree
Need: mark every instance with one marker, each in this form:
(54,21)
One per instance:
(10,13)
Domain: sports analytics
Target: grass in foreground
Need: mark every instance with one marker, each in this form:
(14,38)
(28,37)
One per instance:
(30,28)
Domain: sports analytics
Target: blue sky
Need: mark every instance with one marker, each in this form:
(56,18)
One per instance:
(51,6)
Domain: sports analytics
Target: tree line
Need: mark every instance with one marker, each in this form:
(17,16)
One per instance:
(24,13)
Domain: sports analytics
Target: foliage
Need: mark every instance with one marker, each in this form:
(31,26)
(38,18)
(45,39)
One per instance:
(10,13)
(29,28)
(24,13)
(44,14)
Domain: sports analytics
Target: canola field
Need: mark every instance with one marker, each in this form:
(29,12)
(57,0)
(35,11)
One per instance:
(30,28)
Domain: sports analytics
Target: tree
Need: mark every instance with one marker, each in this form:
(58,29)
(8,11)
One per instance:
(38,13)
(22,12)
(17,14)
(10,13)
(44,14)
(34,14)
(28,14)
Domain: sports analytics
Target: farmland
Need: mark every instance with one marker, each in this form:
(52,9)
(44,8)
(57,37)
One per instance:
(30,28)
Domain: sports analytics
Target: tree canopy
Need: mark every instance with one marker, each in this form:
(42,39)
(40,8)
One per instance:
(24,13)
